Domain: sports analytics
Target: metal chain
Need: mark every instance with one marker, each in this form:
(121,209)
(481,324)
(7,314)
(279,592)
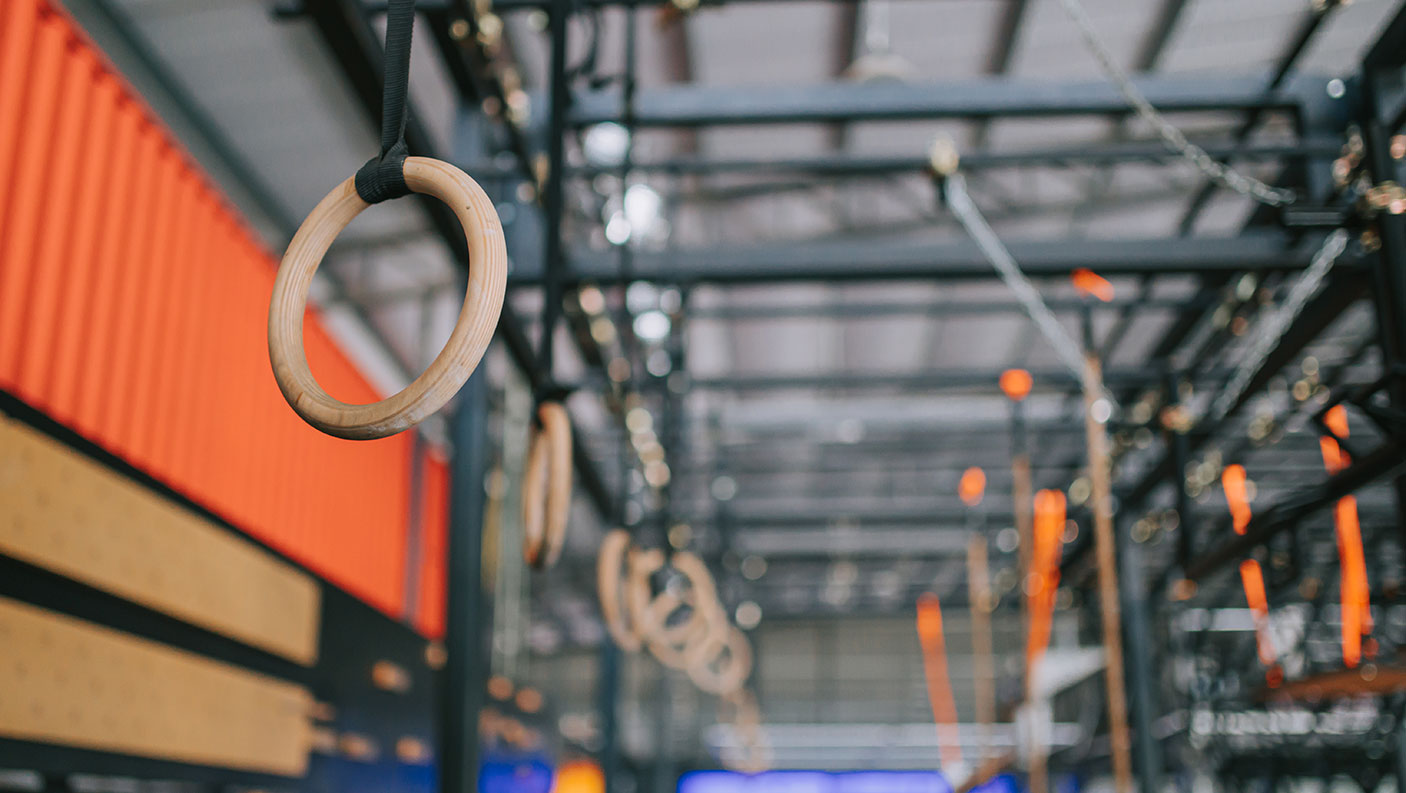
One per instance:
(1268,333)
(1174,138)
(970,217)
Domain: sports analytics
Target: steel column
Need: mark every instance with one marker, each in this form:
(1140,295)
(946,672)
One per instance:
(1381,79)
(465,670)
(1142,666)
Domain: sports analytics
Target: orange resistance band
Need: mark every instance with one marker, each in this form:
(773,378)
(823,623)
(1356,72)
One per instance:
(1049,540)
(1356,597)
(1233,479)
(1253,579)
(944,709)
(1236,496)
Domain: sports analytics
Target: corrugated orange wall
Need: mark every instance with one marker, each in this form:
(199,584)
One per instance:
(133,303)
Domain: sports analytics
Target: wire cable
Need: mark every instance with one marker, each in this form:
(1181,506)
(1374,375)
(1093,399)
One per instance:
(959,201)
(1268,333)
(1175,139)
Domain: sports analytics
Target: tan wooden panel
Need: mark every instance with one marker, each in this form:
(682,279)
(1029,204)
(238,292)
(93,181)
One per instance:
(71,682)
(64,512)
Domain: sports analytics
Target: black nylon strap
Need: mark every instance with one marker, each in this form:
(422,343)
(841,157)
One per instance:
(383,176)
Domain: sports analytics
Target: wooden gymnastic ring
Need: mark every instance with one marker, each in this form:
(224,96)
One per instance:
(610,565)
(483,302)
(702,597)
(650,613)
(546,487)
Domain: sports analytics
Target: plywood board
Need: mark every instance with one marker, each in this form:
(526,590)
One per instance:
(74,683)
(64,512)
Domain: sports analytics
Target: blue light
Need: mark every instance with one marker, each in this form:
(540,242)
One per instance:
(820,782)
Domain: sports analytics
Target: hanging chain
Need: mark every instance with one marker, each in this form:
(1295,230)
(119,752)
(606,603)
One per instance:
(1174,138)
(959,201)
(1268,333)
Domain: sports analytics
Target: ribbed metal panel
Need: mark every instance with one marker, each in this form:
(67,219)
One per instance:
(133,305)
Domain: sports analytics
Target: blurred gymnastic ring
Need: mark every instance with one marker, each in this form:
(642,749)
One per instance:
(610,565)
(723,664)
(546,487)
(483,302)
(650,613)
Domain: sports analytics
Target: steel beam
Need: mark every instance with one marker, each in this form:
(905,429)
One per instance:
(858,259)
(1382,84)
(1386,460)
(890,309)
(1308,27)
(1050,379)
(837,165)
(1335,298)
(710,105)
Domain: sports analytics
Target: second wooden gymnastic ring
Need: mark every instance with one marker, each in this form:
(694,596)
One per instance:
(609,568)
(725,676)
(546,487)
(483,302)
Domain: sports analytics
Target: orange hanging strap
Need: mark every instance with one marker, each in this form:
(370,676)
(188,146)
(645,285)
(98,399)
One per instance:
(1253,580)
(1356,598)
(1050,509)
(1334,458)
(1093,284)
(944,708)
(1016,384)
(972,486)
(1355,595)
(1236,496)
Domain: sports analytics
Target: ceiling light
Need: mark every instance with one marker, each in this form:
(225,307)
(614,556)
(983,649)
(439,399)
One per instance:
(642,207)
(652,326)
(617,229)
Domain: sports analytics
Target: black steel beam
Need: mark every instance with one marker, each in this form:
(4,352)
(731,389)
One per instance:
(857,259)
(859,165)
(1382,85)
(925,308)
(1329,304)
(1048,379)
(1383,461)
(1310,24)
(1159,35)
(708,105)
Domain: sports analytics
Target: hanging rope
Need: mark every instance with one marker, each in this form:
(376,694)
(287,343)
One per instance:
(383,176)
(1175,139)
(388,175)
(960,202)
(1269,332)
